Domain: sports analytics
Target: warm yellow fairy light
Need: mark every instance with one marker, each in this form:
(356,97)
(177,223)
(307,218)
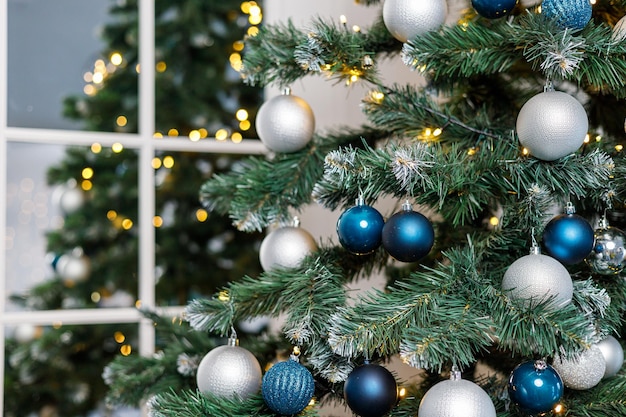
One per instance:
(161,66)
(95,296)
(90,90)
(202,215)
(587,138)
(119,337)
(428,132)
(117,147)
(87,173)
(168,161)
(598,138)
(354,78)
(525,152)
(97,78)
(86,185)
(172,132)
(156,162)
(126,350)
(402,392)
(253,31)
(221,134)
(238,46)
(223,296)
(619,148)
(127,224)
(57,324)
(245,125)
(157,221)
(194,135)
(236,137)
(255,19)
(203,133)
(111,214)
(254,9)
(235,61)
(343,19)
(241,115)
(121,121)
(494,221)
(157,135)
(471,151)
(245,7)
(558,408)
(356,28)
(88,77)
(96,147)
(116,58)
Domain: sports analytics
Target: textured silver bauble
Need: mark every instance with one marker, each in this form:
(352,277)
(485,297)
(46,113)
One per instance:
(534,278)
(582,372)
(552,125)
(619,30)
(613,354)
(285,123)
(229,371)
(456,398)
(286,247)
(406,19)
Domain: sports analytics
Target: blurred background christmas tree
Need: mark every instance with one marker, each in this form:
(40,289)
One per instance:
(57,370)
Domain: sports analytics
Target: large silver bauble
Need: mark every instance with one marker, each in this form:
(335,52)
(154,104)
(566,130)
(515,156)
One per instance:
(582,372)
(552,125)
(286,247)
(285,123)
(74,267)
(608,256)
(534,278)
(456,398)
(229,371)
(69,197)
(613,354)
(406,19)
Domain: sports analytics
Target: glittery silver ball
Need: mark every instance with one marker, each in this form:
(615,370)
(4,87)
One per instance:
(286,247)
(285,123)
(582,372)
(619,30)
(456,398)
(613,354)
(552,125)
(608,256)
(406,19)
(229,371)
(536,277)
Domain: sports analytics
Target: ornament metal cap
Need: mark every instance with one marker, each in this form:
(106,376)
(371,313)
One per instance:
(287,91)
(569,208)
(407,206)
(540,365)
(455,374)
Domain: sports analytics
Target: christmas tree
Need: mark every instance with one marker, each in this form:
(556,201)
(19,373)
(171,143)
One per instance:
(505,251)
(94,254)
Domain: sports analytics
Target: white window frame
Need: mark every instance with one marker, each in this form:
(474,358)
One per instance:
(146,146)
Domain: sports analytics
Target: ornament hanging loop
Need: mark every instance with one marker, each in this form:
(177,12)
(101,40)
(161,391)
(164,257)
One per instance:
(535,249)
(549,87)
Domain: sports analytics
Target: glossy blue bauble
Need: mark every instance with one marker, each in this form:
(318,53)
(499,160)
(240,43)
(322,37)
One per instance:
(568,14)
(370,391)
(359,229)
(568,238)
(408,236)
(493,9)
(533,389)
(287,387)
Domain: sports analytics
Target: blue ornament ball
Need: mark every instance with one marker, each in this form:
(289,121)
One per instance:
(535,387)
(370,390)
(359,229)
(287,387)
(493,9)
(568,238)
(408,236)
(568,14)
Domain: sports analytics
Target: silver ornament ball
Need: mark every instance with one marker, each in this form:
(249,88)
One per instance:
(534,278)
(69,197)
(74,267)
(286,247)
(552,125)
(456,398)
(613,354)
(406,19)
(619,30)
(608,256)
(229,371)
(582,372)
(285,123)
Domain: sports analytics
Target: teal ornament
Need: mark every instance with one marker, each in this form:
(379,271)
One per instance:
(493,9)
(408,235)
(568,14)
(360,228)
(568,238)
(535,387)
(287,387)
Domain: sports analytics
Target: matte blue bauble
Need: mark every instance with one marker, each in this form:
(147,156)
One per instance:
(568,238)
(493,9)
(287,387)
(370,391)
(568,14)
(535,387)
(359,229)
(408,236)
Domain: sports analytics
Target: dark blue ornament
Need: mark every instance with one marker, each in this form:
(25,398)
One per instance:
(287,387)
(408,235)
(493,9)
(370,391)
(568,14)
(535,387)
(359,229)
(568,238)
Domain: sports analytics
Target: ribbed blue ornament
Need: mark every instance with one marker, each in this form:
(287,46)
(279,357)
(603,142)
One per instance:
(568,238)
(568,14)
(493,9)
(535,387)
(287,387)
(359,229)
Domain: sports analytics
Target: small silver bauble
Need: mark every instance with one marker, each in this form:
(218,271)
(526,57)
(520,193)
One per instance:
(582,372)
(406,19)
(229,371)
(456,397)
(613,354)
(608,256)
(285,123)
(552,125)
(69,197)
(534,278)
(286,247)
(74,267)
(619,30)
